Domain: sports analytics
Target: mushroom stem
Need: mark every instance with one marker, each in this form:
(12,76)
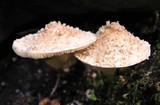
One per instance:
(56,85)
(105,70)
(62,61)
(108,70)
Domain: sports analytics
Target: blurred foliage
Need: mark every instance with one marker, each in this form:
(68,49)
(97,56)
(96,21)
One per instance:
(139,85)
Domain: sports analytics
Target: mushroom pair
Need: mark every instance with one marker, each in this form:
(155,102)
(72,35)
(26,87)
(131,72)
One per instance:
(112,46)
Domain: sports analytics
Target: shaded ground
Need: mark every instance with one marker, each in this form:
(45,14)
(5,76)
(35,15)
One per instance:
(28,81)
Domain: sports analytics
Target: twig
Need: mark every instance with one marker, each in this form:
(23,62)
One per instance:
(56,85)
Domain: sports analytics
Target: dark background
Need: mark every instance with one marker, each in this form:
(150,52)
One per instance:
(21,78)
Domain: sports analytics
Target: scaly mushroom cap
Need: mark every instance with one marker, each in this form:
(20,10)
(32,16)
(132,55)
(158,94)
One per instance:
(54,39)
(115,47)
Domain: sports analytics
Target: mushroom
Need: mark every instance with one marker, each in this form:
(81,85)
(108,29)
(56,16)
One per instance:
(115,47)
(55,42)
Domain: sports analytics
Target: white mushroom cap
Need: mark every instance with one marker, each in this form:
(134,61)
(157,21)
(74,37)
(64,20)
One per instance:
(54,39)
(115,47)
